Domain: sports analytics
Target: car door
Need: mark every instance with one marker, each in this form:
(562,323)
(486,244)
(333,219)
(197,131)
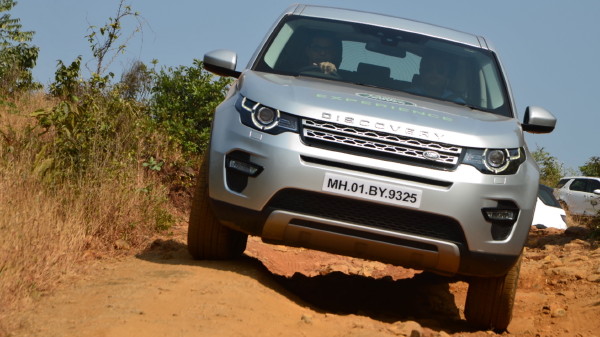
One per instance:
(591,200)
(575,198)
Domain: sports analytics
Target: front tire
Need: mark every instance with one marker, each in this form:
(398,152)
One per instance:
(207,238)
(490,300)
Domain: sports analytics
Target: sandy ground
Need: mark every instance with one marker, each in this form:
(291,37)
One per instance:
(282,291)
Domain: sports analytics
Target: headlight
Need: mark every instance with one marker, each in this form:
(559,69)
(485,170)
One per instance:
(495,161)
(264,118)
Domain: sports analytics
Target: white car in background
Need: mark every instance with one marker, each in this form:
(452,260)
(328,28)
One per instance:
(548,212)
(580,195)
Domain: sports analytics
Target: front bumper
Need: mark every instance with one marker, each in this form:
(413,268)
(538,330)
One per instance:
(285,203)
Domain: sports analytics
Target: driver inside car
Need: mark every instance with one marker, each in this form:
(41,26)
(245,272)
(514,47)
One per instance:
(323,54)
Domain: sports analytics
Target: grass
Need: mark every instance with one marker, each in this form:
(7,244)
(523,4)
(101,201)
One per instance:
(590,222)
(49,227)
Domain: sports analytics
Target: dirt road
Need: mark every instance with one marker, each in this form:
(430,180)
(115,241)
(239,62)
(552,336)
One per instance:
(281,291)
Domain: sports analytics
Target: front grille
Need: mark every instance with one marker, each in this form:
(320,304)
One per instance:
(369,214)
(379,144)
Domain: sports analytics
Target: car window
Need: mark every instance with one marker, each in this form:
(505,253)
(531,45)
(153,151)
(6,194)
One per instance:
(578,185)
(561,183)
(592,185)
(387,58)
(546,196)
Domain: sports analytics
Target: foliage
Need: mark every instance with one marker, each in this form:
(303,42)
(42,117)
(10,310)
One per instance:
(136,81)
(17,57)
(89,167)
(182,104)
(591,168)
(67,82)
(92,120)
(102,40)
(551,170)
(97,131)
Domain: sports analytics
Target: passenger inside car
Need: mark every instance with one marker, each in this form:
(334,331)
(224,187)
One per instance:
(434,78)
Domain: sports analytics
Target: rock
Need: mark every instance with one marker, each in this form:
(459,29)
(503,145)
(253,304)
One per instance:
(552,261)
(558,312)
(573,272)
(594,278)
(550,258)
(339,267)
(576,244)
(577,231)
(308,319)
(408,329)
(576,258)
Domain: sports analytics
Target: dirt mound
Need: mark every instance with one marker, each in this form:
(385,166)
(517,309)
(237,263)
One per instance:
(282,291)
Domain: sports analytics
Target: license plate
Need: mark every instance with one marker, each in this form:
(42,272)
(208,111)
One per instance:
(372,190)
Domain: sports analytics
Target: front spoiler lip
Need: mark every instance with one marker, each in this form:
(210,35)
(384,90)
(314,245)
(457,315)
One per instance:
(366,242)
(301,230)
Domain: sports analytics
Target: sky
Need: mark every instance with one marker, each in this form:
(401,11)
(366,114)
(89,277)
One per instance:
(550,49)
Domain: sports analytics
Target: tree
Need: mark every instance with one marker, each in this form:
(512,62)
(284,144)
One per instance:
(103,40)
(591,167)
(17,57)
(550,169)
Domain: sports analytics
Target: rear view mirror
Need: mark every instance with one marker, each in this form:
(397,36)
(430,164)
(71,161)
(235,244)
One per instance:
(538,120)
(386,49)
(221,62)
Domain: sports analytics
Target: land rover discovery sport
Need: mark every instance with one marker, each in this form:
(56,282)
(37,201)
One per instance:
(375,137)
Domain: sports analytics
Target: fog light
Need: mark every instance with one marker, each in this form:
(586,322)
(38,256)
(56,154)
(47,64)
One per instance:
(249,169)
(500,214)
(503,217)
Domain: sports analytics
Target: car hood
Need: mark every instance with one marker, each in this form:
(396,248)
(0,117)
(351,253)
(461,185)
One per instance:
(381,110)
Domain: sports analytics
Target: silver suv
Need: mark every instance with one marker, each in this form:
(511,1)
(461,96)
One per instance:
(579,195)
(376,137)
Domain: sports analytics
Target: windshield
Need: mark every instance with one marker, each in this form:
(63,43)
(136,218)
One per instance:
(545,194)
(386,58)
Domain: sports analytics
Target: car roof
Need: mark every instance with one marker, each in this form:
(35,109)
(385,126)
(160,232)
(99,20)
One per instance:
(580,177)
(391,22)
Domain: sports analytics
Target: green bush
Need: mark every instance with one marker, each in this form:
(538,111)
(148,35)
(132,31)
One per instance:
(182,104)
(89,125)
(94,137)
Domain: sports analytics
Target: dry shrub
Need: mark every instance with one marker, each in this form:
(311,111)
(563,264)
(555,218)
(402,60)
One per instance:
(40,240)
(48,229)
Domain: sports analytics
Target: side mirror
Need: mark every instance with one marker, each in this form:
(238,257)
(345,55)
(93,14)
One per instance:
(538,120)
(597,191)
(221,62)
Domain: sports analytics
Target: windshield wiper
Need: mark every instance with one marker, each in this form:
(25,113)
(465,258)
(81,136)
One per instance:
(470,106)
